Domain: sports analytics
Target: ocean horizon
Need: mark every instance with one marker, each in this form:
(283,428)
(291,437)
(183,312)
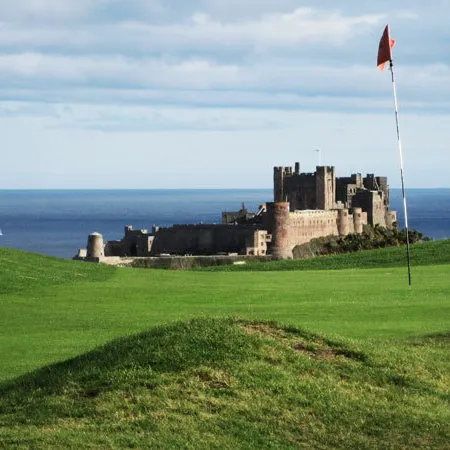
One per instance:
(57,222)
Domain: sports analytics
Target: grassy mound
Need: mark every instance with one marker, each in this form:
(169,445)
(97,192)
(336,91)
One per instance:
(422,254)
(222,383)
(22,270)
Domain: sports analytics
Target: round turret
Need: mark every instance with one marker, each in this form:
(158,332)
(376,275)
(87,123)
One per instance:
(343,225)
(357,220)
(279,214)
(95,247)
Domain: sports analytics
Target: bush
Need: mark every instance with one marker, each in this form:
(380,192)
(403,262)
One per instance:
(371,238)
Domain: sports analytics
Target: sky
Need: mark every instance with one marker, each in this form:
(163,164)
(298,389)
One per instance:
(155,94)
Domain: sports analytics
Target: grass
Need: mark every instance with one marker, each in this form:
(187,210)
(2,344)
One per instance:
(422,254)
(363,353)
(222,383)
(21,271)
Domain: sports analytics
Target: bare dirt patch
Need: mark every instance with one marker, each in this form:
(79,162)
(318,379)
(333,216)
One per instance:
(312,346)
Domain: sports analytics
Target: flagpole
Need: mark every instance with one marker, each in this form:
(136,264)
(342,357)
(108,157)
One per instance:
(408,250)
(320,156)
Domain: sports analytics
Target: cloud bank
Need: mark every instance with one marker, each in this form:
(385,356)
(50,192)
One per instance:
(142,67)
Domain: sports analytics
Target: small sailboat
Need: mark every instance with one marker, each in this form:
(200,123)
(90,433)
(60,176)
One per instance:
(1,234)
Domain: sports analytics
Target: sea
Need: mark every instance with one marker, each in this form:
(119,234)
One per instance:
(58,222)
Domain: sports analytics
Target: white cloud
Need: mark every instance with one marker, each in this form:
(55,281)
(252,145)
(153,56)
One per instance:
(190,157)
(148,119)
(102,77)
(48,10)
(274,83)
(409,15)
(120,70)
(303,26)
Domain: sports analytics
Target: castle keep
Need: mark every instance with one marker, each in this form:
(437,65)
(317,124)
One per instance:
(311,205)
(305,206)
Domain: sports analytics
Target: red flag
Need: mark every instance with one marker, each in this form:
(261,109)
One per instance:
(385,49)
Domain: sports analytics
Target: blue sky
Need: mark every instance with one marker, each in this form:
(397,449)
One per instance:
(214,93)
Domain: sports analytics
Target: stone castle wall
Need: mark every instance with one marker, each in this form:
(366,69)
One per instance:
(299,227)
(201,239)
(307,225)
(208,239)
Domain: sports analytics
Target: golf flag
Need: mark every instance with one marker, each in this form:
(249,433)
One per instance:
(385,55)
(385,49)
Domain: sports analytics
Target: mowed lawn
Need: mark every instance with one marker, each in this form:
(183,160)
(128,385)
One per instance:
(53,309)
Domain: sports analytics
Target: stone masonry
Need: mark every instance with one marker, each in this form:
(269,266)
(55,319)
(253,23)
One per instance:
(305,206)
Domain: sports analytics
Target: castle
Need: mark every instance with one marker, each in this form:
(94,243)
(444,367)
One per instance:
(305,206)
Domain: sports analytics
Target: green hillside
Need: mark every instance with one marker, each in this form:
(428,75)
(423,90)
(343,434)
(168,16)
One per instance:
(362,364)
(234,384)
(29,271)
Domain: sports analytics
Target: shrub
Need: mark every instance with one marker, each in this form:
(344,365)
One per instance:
(371,238)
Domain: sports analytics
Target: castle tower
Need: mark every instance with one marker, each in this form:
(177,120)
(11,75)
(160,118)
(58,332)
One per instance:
(357,220)
(278,184)
(325,187)
(278,214)
(343,224)
(95,247)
